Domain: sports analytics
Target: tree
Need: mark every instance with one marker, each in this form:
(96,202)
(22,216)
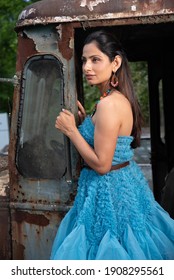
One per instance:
(9,12)
(140,80)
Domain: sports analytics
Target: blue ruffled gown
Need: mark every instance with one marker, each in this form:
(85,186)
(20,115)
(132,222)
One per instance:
(114,216)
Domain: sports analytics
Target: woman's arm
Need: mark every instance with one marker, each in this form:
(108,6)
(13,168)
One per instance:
(105,136)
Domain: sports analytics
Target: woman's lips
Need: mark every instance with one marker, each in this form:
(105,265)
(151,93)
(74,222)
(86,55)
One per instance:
(89,77)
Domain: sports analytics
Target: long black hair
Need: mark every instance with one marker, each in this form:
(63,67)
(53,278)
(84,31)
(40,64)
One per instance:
(109,45)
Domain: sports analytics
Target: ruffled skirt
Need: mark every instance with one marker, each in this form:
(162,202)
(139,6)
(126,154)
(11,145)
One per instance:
(115,217)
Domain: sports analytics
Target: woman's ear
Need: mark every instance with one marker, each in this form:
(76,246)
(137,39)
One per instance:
(117,63)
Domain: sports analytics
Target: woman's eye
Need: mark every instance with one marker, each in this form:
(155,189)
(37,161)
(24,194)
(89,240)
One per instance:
(95,59)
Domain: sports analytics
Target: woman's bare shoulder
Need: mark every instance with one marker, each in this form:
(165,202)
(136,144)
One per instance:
(116,101)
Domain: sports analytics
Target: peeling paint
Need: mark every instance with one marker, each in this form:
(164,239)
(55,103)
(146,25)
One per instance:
(133,8)
(91,4)
(26,13)
(44,39)
(67,11)
(66,42)
(94,17)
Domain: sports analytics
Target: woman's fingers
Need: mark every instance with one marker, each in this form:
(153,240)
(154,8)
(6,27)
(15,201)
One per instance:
(67,112)
(81,112)
(65,121)
(81,108)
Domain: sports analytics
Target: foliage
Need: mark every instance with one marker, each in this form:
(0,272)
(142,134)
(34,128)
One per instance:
(140,81)
(91,96)
(9,12)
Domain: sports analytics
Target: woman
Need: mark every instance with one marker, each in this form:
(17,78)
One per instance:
(114,215)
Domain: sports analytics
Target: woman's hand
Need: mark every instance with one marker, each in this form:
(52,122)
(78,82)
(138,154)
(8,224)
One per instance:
(65,122)
(81,112)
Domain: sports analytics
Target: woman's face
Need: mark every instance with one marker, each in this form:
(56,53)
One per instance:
(97,67)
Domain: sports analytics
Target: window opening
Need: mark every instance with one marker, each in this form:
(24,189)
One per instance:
(40,148)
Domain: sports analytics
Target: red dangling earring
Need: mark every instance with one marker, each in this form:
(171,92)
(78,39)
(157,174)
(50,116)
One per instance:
(114,80)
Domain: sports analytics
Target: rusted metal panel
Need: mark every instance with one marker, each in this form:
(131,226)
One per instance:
(49,194)
(35,41)
(87,10)
(38,205)
(26,48)
(55,39)
(65,42)
(5,238)
(33,232)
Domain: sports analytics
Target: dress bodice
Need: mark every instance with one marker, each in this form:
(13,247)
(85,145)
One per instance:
(123,150)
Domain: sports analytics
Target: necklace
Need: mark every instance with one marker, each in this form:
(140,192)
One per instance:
(105,94)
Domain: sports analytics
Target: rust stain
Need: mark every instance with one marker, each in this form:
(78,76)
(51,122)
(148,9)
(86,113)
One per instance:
(66,35)
(84,10)
(152,5)
(35,219)
(5,250)
(26,48)
(18,250)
